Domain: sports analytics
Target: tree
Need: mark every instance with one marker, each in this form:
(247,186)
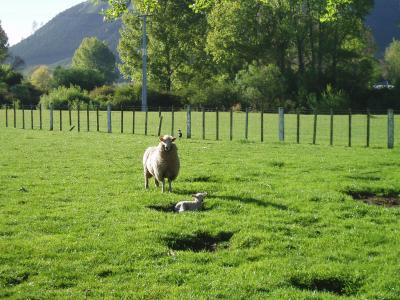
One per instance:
(93,54)
(86,79)
(176,38)
(261,86)
(392,61)
(3,44)
(42,78)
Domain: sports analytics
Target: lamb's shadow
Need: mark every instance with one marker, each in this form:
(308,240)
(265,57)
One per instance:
(170,208)
(250,200)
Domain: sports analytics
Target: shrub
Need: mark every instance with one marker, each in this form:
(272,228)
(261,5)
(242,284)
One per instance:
(65,96)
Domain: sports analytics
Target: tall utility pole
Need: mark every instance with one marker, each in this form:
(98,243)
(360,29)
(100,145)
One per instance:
(144,68)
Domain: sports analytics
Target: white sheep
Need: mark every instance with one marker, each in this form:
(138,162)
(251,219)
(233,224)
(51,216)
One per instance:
(196,204)
(161,162)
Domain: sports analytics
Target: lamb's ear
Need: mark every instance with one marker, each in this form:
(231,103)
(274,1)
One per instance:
(205,193)
(161,138)
(193,195)
(173,139)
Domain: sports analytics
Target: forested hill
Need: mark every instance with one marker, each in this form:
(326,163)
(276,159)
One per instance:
(56,41)
(384,21)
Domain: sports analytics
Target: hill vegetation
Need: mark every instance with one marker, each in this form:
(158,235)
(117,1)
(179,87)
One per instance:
(56,42)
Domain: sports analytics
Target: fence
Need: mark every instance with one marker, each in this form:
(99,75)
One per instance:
(350,128)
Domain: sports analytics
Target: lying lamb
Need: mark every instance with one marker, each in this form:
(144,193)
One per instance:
(161,162)
(196,204)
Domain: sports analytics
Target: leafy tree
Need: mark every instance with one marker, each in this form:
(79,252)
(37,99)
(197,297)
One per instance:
(93,54)
(261,86)
(3,44)
(42,78)
(87,79)
(392,61)
(176,38)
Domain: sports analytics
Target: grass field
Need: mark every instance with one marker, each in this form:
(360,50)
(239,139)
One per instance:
(378,134)
(75,221)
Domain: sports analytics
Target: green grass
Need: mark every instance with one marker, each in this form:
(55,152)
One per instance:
(378,135)
(75,220)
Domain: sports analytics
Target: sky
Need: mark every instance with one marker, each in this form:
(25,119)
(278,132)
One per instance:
(18,16)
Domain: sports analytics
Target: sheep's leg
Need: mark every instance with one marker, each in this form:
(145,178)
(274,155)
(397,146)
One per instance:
(170,185)
(156,182)
(163,185)
(146,181)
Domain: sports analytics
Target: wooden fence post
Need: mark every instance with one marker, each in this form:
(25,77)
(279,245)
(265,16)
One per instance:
(15,116)
(160,125)
(331,129)
(146,119)
(231,125)
(122,119)
(390,129)
(109,128)
(298,127)
(40,116)
(315,127)
(97,119)
(172,120)
(350,125)
(60,119)
(368,126)
(159,111)
(79,117)
(262,124)
(246,130)
(31,116)
(70,115)
(87,118)
(281,124)
(23,117)
(204,123)
(133,120)
(51,117)
(217,124)
(189,122)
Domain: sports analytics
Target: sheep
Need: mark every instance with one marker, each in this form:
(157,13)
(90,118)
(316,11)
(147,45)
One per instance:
(196,204)
(161,162)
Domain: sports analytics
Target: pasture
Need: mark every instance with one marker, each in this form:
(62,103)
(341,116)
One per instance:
(279,221)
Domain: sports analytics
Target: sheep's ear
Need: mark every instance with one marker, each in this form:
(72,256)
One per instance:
(205,193)
(193,195)
(161,138)
(173,139)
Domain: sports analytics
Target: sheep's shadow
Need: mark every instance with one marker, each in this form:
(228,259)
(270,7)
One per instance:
(250,200)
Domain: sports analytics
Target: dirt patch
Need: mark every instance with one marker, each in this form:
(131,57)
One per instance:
(18,279)
(339,286)
(386,199)
(198,242)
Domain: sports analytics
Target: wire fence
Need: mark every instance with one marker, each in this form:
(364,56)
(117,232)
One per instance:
(348,128)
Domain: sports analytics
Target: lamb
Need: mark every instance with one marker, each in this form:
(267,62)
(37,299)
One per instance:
(161,162)
(196,204)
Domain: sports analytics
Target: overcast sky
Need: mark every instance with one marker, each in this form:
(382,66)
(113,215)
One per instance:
(18,16)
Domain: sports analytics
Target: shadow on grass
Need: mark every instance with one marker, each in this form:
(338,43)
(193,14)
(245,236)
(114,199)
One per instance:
(200,241)
(249,200)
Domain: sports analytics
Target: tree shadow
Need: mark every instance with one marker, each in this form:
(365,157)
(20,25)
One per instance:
(249,200)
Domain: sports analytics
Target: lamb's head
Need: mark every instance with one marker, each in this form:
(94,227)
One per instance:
(166,142)
(199,196)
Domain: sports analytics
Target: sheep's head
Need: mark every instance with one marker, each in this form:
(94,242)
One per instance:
(166,142)
(199,196)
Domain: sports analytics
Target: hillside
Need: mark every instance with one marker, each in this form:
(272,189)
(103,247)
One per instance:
(384,22)
(56,42)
